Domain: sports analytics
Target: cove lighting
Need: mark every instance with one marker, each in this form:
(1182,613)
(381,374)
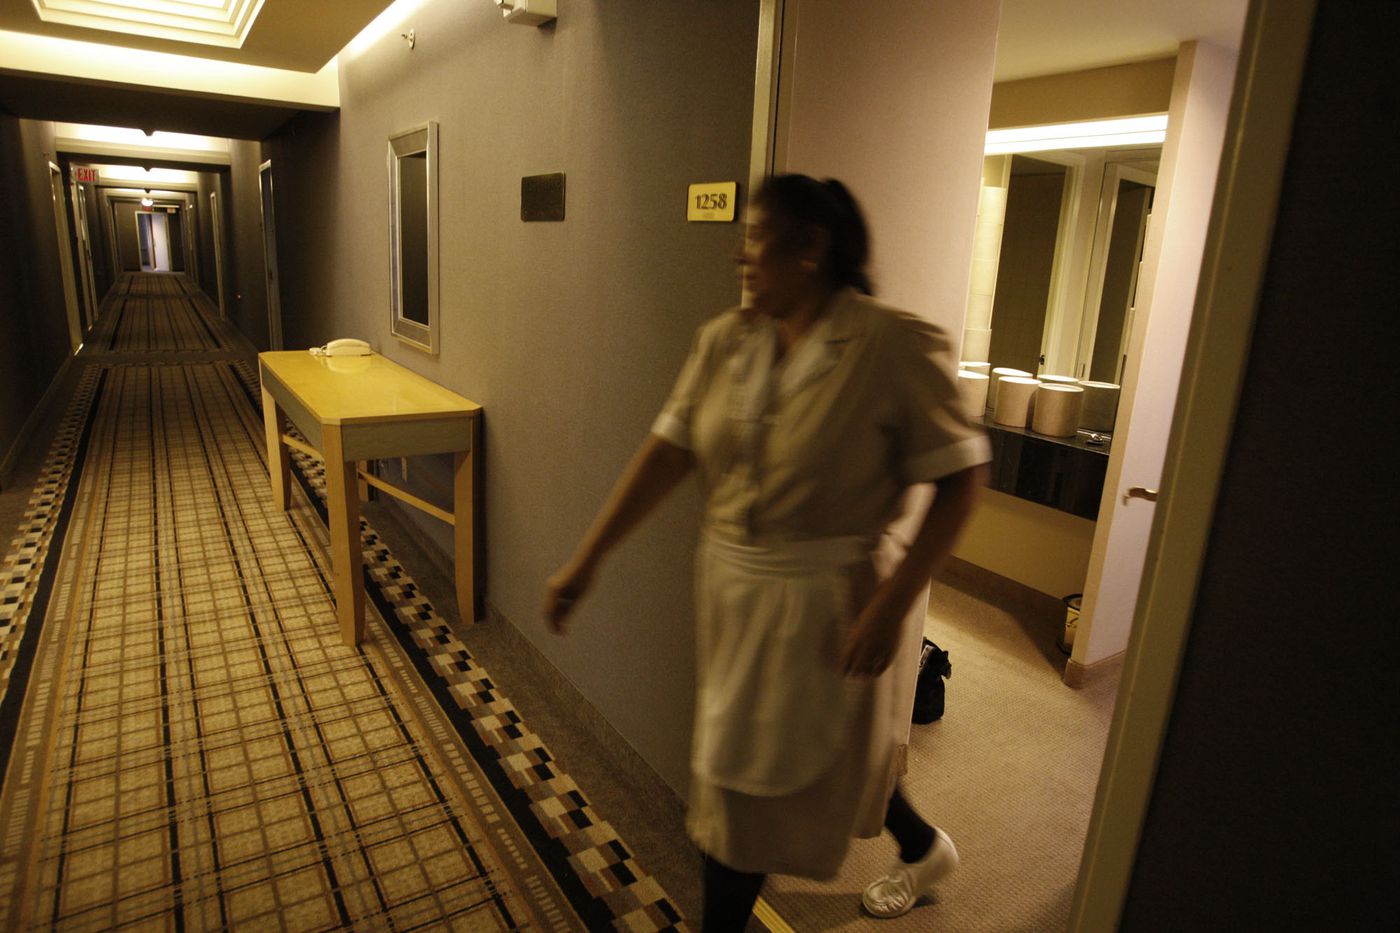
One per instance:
(136,173)
(208,22)
(126,136)
(1127,131)
(391,20)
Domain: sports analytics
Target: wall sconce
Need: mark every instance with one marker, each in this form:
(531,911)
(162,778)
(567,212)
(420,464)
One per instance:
(529,12)
(147,202)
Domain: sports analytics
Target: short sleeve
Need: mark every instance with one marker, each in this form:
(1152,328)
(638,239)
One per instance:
(936,438)
(676,419)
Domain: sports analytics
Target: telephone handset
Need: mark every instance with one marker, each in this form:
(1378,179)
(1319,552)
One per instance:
(345,347)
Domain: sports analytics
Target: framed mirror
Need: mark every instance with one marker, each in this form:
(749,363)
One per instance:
(1055,281)
(413,236)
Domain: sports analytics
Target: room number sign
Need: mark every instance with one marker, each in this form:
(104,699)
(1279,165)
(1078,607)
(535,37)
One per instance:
(712,202)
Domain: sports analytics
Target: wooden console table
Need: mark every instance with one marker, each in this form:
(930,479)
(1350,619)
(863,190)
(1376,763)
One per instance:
(357,408)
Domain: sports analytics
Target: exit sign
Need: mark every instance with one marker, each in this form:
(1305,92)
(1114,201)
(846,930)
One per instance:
(82,173)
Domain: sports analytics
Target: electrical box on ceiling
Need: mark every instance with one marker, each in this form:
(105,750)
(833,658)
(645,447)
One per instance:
(529,12)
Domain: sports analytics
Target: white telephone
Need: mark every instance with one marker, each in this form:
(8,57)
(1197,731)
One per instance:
(344,347)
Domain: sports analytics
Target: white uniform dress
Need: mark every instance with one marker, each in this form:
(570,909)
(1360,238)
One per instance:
(804,463)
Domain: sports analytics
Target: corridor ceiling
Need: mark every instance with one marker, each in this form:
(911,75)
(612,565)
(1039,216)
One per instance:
(290,43)
(299,40)
(296,35)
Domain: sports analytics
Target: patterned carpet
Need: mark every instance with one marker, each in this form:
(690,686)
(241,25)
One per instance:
(187,744)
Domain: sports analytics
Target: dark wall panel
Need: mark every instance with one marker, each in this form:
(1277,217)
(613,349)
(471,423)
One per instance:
(1275,804)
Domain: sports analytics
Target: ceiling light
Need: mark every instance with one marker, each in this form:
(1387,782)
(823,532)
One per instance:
(1126,131)
(208,22)
(147,202)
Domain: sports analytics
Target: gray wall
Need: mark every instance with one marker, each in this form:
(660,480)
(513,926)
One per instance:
(33,328)
(570,333)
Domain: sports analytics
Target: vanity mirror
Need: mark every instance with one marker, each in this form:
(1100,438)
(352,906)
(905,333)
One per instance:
(413,236)
(1059,242)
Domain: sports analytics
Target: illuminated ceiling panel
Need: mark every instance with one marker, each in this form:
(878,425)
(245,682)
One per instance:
(208,22)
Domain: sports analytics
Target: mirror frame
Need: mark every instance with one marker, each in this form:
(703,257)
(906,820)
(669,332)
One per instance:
(1115,171)
(1076,280)
(419,139)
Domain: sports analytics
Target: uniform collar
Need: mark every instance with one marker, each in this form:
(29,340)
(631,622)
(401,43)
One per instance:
(824,344)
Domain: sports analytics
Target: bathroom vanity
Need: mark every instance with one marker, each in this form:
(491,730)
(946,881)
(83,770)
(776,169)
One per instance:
(1065,473)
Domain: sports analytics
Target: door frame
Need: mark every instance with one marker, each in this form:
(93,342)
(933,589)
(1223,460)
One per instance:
(216,221)
(65,256)
(267,207)
(84,249)
(1273,53)
(1114,172)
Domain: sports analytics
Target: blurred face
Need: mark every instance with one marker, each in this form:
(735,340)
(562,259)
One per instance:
(770,264)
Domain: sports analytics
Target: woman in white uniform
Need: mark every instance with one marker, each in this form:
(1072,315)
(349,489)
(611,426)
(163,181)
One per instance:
(808,414)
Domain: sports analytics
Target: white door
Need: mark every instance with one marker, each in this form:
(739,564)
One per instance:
(1167,292)
(160,241)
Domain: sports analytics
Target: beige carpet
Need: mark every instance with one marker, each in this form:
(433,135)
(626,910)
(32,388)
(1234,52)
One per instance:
(1009,773)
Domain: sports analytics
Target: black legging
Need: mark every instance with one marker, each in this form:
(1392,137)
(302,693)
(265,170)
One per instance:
(911,831)
(730,894)
(729,897)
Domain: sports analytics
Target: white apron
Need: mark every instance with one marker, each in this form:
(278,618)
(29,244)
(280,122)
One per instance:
(773,707)
(791,759)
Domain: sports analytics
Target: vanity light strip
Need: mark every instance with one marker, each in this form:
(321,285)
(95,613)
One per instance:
(1120,132)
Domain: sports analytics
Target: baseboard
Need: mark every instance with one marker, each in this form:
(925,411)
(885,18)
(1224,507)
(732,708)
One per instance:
(623,757)
(31,424)
(585,718)
(1004,589)
(1081,675)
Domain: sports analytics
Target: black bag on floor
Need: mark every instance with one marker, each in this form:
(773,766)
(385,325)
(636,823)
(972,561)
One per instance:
(928,692)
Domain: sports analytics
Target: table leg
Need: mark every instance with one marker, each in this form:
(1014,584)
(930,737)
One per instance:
(463,522)
(278,462)
(347,563)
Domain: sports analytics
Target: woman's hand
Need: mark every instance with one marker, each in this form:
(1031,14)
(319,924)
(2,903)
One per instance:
(561,591)
(871,643)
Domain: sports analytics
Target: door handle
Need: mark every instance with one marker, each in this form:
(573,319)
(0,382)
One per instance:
(1140,492)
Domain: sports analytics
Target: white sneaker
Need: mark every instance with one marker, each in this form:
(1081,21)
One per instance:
(893,895)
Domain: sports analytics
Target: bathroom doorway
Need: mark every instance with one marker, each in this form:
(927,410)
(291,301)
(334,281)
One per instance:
(790,69)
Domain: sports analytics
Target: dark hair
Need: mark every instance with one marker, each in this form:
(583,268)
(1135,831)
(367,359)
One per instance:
(802,201)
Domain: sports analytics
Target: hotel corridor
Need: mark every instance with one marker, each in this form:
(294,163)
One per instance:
(198,749)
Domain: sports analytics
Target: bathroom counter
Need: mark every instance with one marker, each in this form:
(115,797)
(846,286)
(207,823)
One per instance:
(1065,473)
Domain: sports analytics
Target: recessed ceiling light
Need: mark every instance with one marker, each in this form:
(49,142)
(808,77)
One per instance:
(208,22)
